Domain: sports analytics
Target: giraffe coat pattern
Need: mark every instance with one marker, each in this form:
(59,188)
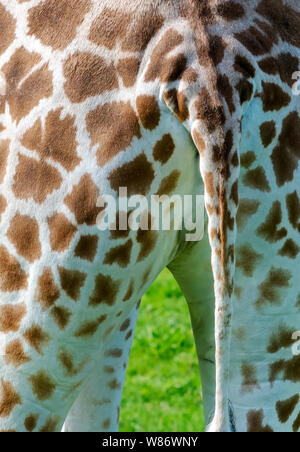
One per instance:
(165,97)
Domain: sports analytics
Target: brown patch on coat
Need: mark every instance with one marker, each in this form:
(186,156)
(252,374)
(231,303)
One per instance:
(143,30)
(282,18)
(119,255)
(87,247)
(55,23)
(47,292)
(61,316)
(114,384)
(177,102)
(56,142)
(296,424)
(230,10)
(245,90)
(113,126)
(281,338)
(114,353)
(164,149)
(88,75)
(234,194)
(273,97)
(11,317)
(269,230)
(72,282)
(147,240)
(12,276)
(284,64)
(248,259)
(51,425)
(106,424)
(258,38)
(243,65)
(159,58)
(42,385)
(209,184)
(217,48)
(174,68)
(3,205)
(7,29)
(148,111)
(83,201)
(290,370)
(286,407)
(9,399)
(116,231)
(14,354)
(169,184)
(250,382)
(286,155)
(271,289)
(89,328)
(257,179)
(35,179)
(267,133)
(105,291)
(125,325)
(293,208)
(129,292)
(67,361)
(290,249)
(226,90)
(136,175)
(62,232)
(30,422)
(199,141)
(4,151)
(37,338)
(25,86)
(109,28)
(255,422)
(128,69)
(24,235)
(128,335)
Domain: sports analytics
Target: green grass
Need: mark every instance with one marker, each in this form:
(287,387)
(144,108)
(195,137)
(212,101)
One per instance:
(163,390)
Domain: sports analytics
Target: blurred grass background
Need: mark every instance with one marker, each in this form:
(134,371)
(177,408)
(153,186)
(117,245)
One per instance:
(163,390)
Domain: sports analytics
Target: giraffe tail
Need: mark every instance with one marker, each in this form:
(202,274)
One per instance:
(216,138)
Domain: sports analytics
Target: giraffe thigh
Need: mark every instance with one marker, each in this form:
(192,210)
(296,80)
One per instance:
(97,408)
(192,270)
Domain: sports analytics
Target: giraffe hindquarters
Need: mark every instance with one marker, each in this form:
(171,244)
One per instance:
(97,408)
(192,270)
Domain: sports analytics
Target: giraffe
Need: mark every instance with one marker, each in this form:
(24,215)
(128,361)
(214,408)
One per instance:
(172,96)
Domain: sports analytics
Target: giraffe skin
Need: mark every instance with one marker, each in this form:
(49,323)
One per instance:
(97,95)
